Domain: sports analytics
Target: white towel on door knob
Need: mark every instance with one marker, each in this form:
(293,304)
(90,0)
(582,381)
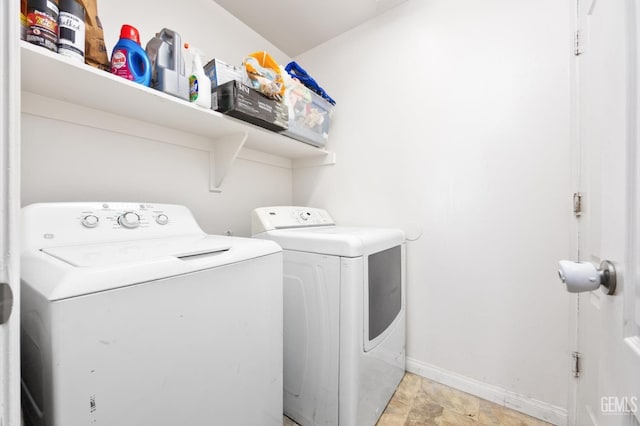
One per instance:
(579,277)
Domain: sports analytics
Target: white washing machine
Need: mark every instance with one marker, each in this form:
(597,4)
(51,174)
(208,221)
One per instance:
(344,315)
(131,315)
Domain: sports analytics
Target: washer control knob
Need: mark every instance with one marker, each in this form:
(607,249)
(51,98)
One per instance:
(90,221)
(129,220)
(162,219)
(305,215)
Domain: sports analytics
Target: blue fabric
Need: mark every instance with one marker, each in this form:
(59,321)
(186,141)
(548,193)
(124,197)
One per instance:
(297,72)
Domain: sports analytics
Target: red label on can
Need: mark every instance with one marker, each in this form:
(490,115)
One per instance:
(42,30)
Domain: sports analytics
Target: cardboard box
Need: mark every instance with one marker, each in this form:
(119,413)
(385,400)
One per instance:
(220,72)
(309,114)
(241,101)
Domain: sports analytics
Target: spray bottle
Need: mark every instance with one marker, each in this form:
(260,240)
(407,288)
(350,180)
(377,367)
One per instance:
(199,82)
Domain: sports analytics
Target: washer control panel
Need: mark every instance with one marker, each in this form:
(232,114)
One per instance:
(68,223)
(269,218)
(116,215)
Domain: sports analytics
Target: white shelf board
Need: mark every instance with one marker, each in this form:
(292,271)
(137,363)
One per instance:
(54,76)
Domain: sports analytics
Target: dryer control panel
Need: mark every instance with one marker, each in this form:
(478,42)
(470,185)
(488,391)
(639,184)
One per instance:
(280,217)
(69,223)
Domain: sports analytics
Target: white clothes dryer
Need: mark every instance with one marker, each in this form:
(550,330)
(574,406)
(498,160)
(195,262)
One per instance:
(132,315)
(344,315)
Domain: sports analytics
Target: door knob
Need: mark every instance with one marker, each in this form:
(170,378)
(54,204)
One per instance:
(584,276)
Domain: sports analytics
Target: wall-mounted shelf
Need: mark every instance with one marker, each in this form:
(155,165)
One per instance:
(57,87)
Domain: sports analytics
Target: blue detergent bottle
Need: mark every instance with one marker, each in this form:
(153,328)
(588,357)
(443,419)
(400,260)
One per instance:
(129,60)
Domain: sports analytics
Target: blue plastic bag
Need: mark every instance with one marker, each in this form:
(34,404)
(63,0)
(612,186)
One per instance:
(297,72)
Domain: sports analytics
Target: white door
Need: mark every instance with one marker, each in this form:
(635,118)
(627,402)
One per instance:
(606,111)
(9,213)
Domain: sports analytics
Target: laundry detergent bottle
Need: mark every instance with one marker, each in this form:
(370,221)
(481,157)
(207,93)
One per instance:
(129,60)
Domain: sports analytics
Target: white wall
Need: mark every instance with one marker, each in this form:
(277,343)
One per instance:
(452,122)
(67,162)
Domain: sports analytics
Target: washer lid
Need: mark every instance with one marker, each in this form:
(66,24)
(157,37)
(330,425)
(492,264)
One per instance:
(115,253)
(336,240)
(63,272)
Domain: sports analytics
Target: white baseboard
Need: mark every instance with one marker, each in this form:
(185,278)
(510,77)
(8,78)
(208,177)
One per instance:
(541,410)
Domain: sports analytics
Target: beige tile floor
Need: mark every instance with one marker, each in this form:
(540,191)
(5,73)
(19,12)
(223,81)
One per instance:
(421,402)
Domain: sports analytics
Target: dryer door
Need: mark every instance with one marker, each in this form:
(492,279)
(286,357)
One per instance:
(383,293)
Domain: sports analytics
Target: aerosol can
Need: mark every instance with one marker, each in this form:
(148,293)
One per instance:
(167,64)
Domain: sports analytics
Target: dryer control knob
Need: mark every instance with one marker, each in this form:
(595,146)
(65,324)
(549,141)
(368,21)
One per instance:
(90,221)
(162,219)
(129,220)
(305,215)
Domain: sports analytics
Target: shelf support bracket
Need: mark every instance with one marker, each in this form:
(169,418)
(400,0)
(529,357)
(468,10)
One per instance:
(222,154)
